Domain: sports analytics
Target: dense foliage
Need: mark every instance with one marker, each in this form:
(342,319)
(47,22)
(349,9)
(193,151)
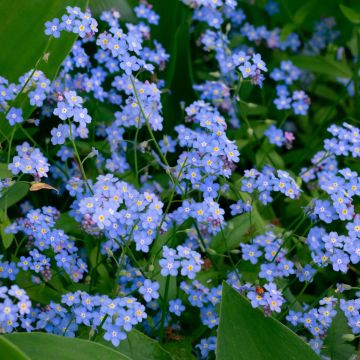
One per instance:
(180,179)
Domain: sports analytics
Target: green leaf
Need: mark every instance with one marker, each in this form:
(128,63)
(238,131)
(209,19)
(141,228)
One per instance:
(245,333)
(13,194)
(303,11)
(22,37)
(11,351)
(23,44)
(287,30)
(252,109)
(174,34)
(322,65)
(335,346)
(68,224)
(180,350)
(41,346)
(350,14)
(122,6)
(4,171)
(267,154)
(237,229)
(7,239)
(138,346)
(298,18)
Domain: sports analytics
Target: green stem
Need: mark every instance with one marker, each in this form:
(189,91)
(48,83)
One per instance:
(100,326)
(77,155)
(163,309)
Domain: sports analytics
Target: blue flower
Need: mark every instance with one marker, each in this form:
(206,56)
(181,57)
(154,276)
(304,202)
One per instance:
(176,307)
(60,134)
(14,116)
(63,111)
(149,290)
(53,28)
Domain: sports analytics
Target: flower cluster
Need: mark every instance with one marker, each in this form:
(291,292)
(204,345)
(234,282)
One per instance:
(279,137)
(75,21)
(118,209)
(69,106)
(182,259)
(205,299)
(323,35)
(211,154)
(29,160)
(351,309)
(8,269)
(269,248)
(51,247)
(115,316)
(267,181)
(34,83)
(142,107)
(158,219)
(316,320)
(15,305)
(298,100)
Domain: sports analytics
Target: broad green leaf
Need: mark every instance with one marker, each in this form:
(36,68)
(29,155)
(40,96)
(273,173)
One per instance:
(24,44)
(180,350)
(174,34)
(249,272)
(13,194)
(138,346)
(41,346)
(326,92)
(322,65)
(99,271)
(23,40)
(252,109)
(267,154)
(4,171)
(10,350)
(287,30)
(122,6)
(7,239)
(237,229)
(334,344)
(245,333)
(350,14)
(68,224)
(298,18)
(41,293)
(303,11)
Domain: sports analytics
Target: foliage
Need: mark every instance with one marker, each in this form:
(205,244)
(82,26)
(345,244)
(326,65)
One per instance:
(179,179)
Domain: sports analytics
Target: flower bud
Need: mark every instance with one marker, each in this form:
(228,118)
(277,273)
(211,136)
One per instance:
(151,268)
(348,337)
(235,251)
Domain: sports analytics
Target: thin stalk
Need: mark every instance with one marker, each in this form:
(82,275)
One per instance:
(163,309)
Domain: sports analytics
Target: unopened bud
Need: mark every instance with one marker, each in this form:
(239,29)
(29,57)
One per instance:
(215,74)
(109,252)
(235,251)
(250,131)
(91,332)
(151,268)
(348,337)
(211,251)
